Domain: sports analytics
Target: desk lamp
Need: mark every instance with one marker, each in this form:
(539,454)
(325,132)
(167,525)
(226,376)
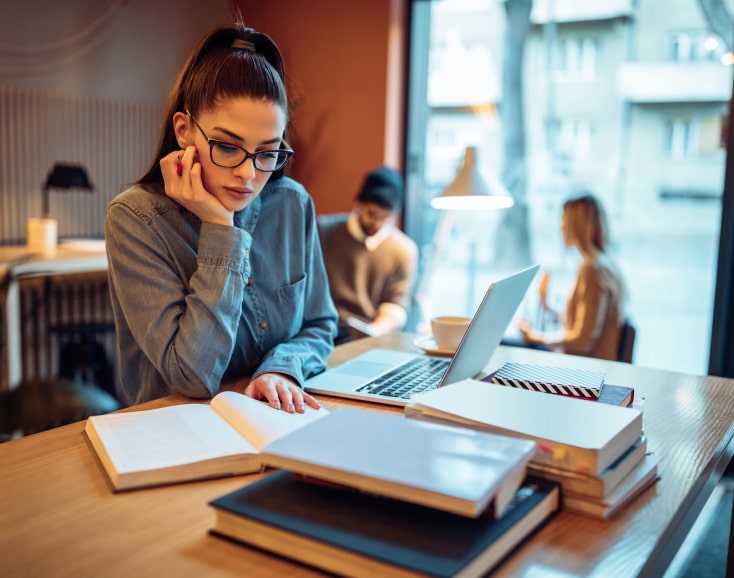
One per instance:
(42,233)
(469,191)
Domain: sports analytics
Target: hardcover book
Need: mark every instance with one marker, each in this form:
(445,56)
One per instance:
(362,535)
(643,475)
(572,434)
(594,487)
(456,469)
(579,383)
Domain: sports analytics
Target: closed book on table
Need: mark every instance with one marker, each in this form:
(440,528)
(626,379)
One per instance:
(594,487)
(572,434)
(617,395)
(643,475)
(362,535)
(580,383)
(459,470)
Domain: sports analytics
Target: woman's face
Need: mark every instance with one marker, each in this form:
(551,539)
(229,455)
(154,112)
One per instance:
(254,125)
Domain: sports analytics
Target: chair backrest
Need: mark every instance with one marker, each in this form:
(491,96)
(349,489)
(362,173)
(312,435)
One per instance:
(626,342)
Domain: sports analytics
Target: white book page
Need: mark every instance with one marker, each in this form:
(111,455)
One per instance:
(165,437)
(258,421)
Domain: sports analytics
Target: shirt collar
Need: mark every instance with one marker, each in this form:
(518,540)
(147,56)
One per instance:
(370,242)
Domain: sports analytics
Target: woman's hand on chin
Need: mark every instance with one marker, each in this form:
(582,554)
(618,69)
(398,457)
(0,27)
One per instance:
(182,181)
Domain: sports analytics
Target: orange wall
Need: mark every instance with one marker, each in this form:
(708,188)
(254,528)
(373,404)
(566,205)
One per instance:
(345,62)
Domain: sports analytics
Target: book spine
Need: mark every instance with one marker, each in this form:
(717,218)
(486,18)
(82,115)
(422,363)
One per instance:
(554,388)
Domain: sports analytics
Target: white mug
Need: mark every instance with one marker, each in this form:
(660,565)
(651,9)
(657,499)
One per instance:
(448,331)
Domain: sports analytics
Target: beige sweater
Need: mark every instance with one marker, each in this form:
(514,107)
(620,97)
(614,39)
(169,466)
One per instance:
(361,279)
(594,312)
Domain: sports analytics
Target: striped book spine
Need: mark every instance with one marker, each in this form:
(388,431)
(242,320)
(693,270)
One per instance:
(557,380)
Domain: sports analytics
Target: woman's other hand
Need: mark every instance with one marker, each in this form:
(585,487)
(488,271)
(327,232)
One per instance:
(280,392)
(182,178)
(527,332)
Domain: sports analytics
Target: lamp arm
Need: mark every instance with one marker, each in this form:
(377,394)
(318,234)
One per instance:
(46,204)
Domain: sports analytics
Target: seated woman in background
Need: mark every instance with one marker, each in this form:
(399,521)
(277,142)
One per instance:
(216,272)
(594,311)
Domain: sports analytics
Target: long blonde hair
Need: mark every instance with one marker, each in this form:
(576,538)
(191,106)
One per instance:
(587,223)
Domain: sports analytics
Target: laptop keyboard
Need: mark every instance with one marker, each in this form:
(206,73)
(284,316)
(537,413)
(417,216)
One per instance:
(421,374)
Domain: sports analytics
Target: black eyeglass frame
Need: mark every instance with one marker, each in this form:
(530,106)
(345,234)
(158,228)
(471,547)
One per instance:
(288,152)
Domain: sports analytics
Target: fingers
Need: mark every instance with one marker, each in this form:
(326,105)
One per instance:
(311,401)
(280,393)
(177,168)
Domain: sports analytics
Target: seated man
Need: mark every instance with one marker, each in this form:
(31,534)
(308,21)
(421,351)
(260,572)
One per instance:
(370,263)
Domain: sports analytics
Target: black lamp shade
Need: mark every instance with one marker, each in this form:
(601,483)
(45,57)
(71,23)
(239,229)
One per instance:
(67,177)
(63,176)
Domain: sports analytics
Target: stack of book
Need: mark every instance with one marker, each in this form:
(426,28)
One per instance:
(364,535)
(597,452)
(362,493)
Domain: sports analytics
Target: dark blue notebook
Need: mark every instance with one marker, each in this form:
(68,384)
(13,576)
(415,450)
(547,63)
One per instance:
(358,534)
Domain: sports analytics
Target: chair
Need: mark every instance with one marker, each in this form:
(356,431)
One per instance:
(627,336)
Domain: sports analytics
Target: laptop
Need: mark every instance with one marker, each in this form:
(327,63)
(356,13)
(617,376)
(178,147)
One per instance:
(378,375)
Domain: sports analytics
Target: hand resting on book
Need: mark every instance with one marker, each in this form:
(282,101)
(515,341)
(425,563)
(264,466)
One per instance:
(280,392)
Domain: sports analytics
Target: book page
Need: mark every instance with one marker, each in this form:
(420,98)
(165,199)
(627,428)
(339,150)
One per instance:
(165,437)
(257,421)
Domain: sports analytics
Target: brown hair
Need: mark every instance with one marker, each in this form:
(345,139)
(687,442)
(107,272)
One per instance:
(230,62)
(587,222)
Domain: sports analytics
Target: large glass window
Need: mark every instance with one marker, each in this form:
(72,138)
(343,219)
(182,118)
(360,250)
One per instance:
(609,97)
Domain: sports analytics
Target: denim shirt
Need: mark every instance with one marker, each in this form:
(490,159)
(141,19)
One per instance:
(197,304)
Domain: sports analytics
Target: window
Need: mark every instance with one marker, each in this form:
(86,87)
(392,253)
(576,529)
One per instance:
(694,47)
(682,138)
(571,139)
(576,58)
(547,139)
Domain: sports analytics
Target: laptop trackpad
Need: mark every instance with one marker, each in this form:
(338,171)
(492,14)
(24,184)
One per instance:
(362,368)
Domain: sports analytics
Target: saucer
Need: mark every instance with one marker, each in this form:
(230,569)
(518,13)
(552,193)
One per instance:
(427,344)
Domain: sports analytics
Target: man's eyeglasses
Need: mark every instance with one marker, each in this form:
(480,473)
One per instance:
(230,156)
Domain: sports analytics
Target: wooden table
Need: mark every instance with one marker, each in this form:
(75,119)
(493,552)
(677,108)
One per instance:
(59,518)
(80,256)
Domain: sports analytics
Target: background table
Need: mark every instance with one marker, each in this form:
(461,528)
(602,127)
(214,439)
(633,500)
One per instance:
(59,518)
(80,256)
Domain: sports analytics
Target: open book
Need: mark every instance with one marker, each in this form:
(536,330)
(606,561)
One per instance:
(190,441)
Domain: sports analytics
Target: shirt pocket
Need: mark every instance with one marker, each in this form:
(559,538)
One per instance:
(291,304)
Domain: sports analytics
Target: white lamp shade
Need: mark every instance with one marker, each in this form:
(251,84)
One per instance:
(469,190)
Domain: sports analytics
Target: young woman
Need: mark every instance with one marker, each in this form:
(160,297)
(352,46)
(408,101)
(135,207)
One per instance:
(216,271)
(594,311)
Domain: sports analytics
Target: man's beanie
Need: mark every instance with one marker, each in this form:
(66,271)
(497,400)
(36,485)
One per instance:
(384,187)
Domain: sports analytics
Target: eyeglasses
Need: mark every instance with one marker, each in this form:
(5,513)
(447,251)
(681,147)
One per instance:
(230,156)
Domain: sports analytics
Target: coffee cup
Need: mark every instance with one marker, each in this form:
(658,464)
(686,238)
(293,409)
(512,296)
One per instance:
(448,331)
